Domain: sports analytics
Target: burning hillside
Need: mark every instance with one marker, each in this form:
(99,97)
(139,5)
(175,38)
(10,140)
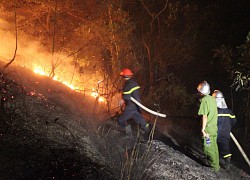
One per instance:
(53,134)
(59,96)
(76,73)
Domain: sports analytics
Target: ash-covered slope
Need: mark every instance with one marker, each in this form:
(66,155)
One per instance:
(49,131)
(44,130)
(155,159)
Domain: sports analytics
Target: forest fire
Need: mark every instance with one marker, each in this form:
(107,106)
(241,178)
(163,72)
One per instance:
(37,58)
(40,71)
(96,95)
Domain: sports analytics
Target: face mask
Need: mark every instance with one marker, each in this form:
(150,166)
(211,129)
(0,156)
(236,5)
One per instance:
(219,103)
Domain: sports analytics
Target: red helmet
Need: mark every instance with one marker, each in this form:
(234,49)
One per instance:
(126,72)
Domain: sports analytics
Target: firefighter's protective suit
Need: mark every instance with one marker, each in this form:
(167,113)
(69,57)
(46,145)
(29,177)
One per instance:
(226,120)
(131,110)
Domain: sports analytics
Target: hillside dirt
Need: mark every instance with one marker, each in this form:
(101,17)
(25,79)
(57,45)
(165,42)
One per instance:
(49,131)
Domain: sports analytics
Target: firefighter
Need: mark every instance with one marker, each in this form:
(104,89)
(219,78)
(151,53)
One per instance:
(226,120)
(209,113)
(131,110)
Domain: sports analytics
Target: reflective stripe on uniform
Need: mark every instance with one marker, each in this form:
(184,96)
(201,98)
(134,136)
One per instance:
(131,90)
(226,115)
(228,155)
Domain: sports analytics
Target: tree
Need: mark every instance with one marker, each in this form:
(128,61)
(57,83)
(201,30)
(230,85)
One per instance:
(167,39)
(237,63)
(16,37)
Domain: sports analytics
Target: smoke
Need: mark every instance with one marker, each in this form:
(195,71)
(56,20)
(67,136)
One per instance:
(6,40)
(33,55)
(29,52)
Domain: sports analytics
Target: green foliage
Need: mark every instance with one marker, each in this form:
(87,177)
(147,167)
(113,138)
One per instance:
(235,59)
(243,61)
(237,63)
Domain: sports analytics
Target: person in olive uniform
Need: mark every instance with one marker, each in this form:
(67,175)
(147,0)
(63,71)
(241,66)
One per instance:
(209,113)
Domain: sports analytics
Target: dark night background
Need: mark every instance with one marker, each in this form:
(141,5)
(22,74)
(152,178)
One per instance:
(171,46)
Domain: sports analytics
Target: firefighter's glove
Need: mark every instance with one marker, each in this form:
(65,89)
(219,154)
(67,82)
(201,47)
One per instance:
(121,103)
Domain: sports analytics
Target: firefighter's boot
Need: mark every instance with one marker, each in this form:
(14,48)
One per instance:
(145,133)
(128,131)
(227,163)
(222,162)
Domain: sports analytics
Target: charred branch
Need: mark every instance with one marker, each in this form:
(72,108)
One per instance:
(16,39)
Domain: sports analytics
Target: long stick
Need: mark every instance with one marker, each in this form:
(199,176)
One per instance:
(146,109)
(240,148)
(11,61)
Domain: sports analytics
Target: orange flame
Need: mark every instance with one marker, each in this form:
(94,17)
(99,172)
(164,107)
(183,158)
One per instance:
(96,95)
(40,71)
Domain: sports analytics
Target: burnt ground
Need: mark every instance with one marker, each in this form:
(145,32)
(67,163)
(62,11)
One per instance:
(27,155)
(51,132)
